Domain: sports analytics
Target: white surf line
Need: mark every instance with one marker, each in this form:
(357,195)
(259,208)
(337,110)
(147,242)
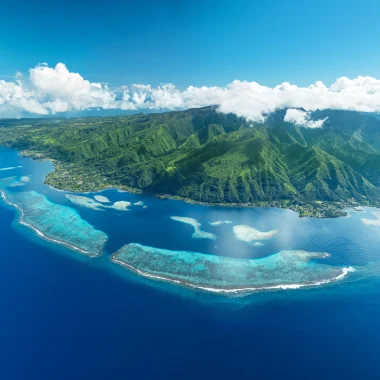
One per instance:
(344,273)
(40,233)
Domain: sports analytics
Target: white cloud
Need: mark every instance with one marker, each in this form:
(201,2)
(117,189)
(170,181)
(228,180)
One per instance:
(49,90)
(302,118)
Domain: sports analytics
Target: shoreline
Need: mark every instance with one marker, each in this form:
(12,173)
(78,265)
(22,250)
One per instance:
(226,291)
(121,188)
(312,212)
(40,233)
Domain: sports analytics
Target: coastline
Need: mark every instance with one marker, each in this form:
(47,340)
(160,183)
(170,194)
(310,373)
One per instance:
(225,291)
(320,210)
(40,233)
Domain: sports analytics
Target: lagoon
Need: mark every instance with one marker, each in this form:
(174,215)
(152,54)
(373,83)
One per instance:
(116,315)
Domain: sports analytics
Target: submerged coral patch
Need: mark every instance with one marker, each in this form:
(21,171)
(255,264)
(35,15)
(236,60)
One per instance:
(372,222)
(84,201)
(198,233)
(283,270)
(120,205)
(219,222)
(11,182)
(249,234)
(25,179)
(101,199)
(80,200)
(10,168)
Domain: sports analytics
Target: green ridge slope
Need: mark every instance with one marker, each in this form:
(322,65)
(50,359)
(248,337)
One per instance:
(206,156)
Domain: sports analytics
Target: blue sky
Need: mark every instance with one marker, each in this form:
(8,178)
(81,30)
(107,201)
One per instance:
(328,50)
(193,42)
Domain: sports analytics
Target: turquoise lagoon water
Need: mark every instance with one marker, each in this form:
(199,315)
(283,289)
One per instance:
(61,308)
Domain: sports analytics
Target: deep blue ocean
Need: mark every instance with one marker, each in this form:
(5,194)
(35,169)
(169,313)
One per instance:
(65,316)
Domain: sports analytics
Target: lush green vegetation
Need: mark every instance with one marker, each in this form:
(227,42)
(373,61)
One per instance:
(205,156)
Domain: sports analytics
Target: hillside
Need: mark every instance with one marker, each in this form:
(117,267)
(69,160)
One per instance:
(205,156)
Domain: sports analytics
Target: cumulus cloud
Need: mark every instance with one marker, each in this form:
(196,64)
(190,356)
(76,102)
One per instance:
(302,118)
(50,90)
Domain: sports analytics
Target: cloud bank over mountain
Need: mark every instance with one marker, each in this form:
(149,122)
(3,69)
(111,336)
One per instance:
(52,90)
(302,118)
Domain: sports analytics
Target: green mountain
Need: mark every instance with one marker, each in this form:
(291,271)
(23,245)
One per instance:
(206,156)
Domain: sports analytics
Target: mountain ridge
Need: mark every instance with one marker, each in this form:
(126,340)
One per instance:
(206,156)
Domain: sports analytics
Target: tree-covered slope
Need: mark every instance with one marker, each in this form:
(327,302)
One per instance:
(206,156)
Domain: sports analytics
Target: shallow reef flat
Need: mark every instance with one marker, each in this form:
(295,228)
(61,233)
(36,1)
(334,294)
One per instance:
(88,202)
(84,202)
(120,205)
(25,179)
(101,199)
(372,222)
(56,223)
(249,234)
(283,270)
(10,168)
(198,233)
(219,222)
(12,182)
